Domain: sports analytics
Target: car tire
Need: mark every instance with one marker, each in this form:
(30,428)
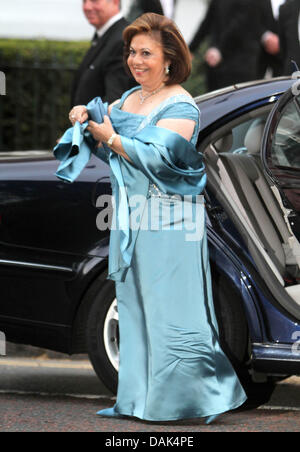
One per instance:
(102,333)
(234,340)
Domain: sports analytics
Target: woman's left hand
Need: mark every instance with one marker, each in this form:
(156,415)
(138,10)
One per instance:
(101,132)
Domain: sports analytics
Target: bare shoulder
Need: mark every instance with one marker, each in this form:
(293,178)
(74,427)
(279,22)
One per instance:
(175,90)
(111,105)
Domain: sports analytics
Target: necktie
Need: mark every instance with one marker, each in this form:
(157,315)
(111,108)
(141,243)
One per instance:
(95,40)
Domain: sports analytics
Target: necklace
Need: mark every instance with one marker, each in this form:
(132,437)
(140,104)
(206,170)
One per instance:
(143,98)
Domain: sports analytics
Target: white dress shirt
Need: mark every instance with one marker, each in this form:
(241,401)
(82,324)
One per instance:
(168,8)
(276,6)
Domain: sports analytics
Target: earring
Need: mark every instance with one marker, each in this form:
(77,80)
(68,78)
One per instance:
(167,70)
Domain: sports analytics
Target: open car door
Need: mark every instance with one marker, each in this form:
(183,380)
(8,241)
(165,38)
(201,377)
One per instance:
(281,153)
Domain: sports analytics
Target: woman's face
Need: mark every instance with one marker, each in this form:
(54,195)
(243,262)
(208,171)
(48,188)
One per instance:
(146,60)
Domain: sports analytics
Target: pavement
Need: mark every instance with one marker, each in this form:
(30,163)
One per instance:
(58,394)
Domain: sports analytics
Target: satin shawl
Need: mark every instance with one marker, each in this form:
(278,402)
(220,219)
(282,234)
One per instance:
(157,155)
(77,144)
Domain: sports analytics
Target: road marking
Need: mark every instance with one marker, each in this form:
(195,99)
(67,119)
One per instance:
(279,408)
(56,394)
(291,380)
(45,363)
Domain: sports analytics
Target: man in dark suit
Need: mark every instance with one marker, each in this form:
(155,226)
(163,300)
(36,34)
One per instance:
(289,32)
(204,33)
(102,72)
(140,7)
(205,29)
(270,55)
(232,28)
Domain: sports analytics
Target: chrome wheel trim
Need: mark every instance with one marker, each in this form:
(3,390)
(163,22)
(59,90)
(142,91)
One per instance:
(111,335)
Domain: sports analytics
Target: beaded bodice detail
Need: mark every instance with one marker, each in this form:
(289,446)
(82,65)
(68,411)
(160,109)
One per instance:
(168,109)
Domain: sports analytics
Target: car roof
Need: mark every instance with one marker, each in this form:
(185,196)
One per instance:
(218,104)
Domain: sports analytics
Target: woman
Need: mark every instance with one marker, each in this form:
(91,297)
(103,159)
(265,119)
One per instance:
(171,363)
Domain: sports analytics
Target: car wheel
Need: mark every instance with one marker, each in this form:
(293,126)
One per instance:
(102,334)
(234,339)
(103,337)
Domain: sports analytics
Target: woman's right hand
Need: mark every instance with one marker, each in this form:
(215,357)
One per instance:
(78,113)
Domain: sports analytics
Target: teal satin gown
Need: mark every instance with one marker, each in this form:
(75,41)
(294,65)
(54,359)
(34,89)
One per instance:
(171,363)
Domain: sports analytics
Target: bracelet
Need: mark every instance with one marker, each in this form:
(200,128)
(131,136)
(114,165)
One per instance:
(111,139)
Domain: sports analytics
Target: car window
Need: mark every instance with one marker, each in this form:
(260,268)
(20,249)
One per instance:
(285,149)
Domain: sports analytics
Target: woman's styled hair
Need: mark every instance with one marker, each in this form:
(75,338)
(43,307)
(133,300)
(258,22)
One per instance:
(174,46)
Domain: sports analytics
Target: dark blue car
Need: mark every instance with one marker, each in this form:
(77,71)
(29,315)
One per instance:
(53,258)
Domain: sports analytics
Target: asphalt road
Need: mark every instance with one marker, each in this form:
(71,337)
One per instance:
(59,395)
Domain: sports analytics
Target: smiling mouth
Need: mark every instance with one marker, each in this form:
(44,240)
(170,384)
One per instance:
(140,71)
(91,16)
